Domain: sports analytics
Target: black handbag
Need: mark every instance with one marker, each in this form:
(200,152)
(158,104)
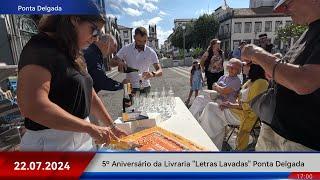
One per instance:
(264,104)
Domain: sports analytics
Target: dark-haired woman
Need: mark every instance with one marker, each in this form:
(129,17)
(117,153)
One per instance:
(212,63)
(216,117)
(55,92)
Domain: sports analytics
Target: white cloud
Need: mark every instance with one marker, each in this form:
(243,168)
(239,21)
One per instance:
(163,34)
(132,2)
(132,12)
(149,7)
(203,11)
(145,23)
(139,23)
(155,20)
(162,13)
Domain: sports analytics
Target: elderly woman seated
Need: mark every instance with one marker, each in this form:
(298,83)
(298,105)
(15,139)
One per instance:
(227,87)
(216,117)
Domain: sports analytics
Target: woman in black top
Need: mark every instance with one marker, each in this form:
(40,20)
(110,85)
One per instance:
(55,92)
(212,63)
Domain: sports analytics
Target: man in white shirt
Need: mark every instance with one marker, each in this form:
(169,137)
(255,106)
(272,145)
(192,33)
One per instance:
(139,56)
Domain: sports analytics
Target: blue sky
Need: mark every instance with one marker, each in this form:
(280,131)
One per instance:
(134,13)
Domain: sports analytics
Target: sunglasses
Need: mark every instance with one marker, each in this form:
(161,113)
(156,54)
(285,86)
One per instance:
(95,30)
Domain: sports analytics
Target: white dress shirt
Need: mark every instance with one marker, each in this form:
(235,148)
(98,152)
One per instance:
(139,60)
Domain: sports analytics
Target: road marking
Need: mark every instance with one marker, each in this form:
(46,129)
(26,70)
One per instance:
(182,71)
(187,69)
(178,72)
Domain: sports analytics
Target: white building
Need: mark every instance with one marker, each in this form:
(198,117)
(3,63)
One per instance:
(125,34)
(153,40)
(181,22)
(262,3)
(246,24)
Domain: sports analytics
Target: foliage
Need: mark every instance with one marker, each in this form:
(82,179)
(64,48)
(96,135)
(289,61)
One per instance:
(197,34)
(197,52)
(291,31)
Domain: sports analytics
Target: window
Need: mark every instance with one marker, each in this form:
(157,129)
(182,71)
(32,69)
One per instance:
(221,30)
(288,23)
(247,27)
(268,27)
(227,28)
(125,34)
(237,27)
(248,41)
(278,25)
(257,26)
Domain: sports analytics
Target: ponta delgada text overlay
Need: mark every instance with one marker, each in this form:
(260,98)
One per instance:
(47,9)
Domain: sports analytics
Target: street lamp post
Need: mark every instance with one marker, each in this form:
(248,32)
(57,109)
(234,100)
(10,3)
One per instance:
(184,44)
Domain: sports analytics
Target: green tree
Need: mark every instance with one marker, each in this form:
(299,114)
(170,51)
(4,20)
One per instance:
(197,34)
(291,31)
(197,52)
(205,28)
(177,37)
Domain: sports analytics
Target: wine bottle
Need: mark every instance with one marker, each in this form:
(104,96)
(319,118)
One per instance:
(130,69)
(127,98)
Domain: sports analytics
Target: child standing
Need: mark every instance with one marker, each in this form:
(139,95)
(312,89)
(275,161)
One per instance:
(196,80)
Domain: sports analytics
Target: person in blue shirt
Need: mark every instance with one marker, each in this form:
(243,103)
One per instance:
(237,52)
(94,56)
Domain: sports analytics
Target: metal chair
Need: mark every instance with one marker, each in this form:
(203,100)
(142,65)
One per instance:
(254,132)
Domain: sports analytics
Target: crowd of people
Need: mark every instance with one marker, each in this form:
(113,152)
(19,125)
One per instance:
(293,123)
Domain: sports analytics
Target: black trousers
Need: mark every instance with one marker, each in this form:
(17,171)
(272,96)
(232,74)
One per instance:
(212,78)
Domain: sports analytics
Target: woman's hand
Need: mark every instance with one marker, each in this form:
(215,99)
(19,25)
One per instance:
(102,134)
(118,132)
(215,87)
(225,105)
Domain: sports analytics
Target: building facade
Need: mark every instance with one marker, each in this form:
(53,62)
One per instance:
(15,32)
(262,3)
(182,22)
(246,24)
(125,34)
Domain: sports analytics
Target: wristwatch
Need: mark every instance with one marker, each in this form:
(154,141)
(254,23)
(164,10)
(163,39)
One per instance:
(153,74)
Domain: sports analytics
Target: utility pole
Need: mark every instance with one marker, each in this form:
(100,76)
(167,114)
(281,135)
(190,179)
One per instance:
(184,44)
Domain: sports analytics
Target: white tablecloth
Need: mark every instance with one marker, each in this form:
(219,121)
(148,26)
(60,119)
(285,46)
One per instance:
(185,125)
